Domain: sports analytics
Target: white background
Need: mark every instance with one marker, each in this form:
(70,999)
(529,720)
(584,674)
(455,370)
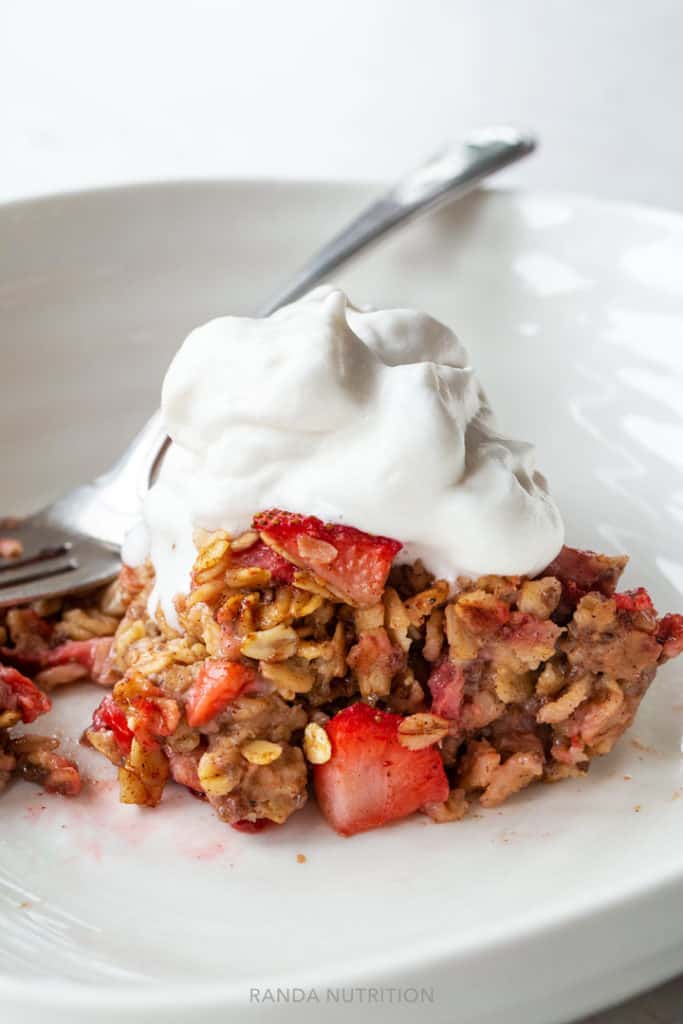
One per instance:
(102,91)
(95,91)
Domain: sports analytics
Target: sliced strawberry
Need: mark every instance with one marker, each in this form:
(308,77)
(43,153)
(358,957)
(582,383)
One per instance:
(670,635)
(354,564)
(108,715)
(93,654)
(634,601)
(218,683)
(447,686)
(260,556)
(252,827)
(371,778)
(17,692)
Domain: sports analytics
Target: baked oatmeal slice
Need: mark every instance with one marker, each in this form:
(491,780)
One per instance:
(303,655)
(30,756)
(49,644)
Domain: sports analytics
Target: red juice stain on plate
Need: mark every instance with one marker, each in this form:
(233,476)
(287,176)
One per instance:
(206,852)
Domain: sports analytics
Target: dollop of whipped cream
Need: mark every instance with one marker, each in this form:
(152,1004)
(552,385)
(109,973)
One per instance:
(370,418)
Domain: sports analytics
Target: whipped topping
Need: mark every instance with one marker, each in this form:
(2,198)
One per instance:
(370,418)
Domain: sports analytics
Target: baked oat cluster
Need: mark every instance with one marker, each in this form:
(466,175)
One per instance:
(304,657)
(44,646)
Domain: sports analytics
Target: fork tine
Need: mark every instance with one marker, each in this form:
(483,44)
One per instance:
(53,562)
(72,582)
(31,590)
(9,562)
(37,568)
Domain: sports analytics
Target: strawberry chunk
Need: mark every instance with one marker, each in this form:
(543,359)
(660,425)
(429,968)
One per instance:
(183,768)
(634,601)
(484,614)
(17,692)
(132,581)
(581,572)
(218,683)
(93,654)
(32,660)
(371,778)
(251,827)
(670,635)
(59,775)
(152,717)
(260,556)
(532,639)
(447,686)
(30,635)
(354,564)
(108,715)
(31,626)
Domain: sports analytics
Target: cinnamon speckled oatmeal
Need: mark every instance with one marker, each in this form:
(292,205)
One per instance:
(305,658)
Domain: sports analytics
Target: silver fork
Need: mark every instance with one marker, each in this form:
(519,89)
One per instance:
(74,543)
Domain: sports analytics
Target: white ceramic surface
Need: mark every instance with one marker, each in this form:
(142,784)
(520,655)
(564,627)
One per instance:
(564,899)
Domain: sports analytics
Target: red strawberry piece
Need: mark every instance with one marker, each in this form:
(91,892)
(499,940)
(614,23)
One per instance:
(19,693)
(30,636)
(447,686)
(52,771)
(183,768)
(109,716)
(260,556)
(33,625)
(62,776)
(374,657)
(527,634)
(151,717)
(485,616)
(670,635)
(131,581)
(581,572)
(353,563)
(634,601)
(29,659)
(588,570)
(92,654)
(218,683)
(371,778)
(252,827)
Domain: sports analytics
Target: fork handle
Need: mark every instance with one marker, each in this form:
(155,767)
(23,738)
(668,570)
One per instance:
(103,508)
(449,174)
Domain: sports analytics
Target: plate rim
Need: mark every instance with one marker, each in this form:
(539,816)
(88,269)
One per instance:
(648,211)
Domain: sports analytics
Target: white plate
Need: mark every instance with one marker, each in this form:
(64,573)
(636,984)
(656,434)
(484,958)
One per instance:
(566,898)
